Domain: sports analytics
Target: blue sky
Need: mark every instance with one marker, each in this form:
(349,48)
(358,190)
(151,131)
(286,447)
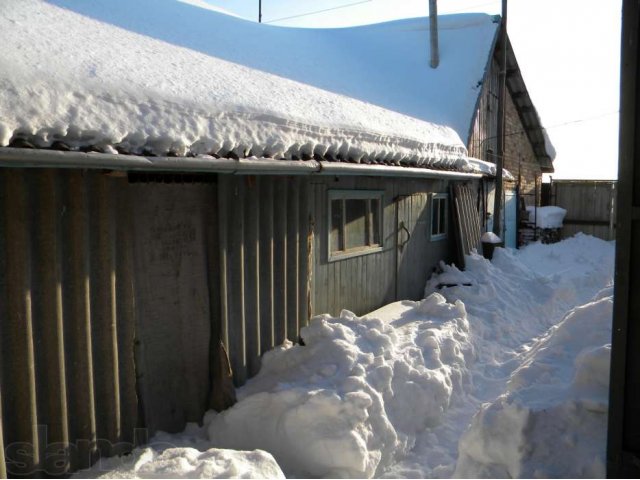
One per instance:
(568,51)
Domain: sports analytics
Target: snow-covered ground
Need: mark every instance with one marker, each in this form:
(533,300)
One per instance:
(499,376)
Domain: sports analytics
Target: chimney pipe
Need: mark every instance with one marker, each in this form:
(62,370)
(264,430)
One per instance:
(433,31)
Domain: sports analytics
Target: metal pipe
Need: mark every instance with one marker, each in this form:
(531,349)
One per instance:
(35,158)
(497,210)
(433,33)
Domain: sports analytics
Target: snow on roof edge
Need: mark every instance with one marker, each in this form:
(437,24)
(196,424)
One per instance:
(109,100)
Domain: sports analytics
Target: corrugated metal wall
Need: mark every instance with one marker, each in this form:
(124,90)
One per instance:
(66,304)
(264,265)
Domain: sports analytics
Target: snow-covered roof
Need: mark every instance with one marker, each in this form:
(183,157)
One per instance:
(72,79)
(385,64)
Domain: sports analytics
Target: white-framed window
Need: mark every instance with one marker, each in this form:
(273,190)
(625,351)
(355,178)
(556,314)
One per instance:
(355,223)
(439,216)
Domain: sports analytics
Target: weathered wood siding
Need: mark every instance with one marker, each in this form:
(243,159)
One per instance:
(590,206)
(264,265)
(519,157)
(485,125)
(115,292)
(363,283)
(174,228)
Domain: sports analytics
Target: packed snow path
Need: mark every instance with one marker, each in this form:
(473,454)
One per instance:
(495,377)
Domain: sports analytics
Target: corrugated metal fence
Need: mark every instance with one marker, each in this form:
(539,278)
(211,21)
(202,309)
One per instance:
(590,206)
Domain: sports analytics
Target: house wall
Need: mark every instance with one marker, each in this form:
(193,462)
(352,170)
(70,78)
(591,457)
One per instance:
(68,377)
(519,157)
(367,282)
(112,288)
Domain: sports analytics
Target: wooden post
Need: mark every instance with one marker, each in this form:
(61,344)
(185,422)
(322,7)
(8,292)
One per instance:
(433,32)
(497,209)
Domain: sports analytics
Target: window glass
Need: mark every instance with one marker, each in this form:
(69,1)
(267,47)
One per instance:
(336,240)
(443,217)
(375,222)
(439,216)
(355,224)
(435,216)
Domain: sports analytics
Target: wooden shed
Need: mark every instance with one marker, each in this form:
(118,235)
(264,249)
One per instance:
(157,238)
(119,284)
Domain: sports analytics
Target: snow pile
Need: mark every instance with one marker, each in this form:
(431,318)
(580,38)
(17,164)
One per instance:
(353,398)
(129,92)
(547,217)
(490,237)
(555,403)
(187,463)
(392,393)
(185,455)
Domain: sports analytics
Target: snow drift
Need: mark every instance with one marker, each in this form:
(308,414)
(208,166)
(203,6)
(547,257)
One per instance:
(352,399)
(520,342)
(552,420)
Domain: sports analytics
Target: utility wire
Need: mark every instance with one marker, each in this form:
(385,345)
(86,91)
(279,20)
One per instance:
(469,8)
(318,11)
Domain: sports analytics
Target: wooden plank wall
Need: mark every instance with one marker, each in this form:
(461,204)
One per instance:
(485,128)
(264,265)
(590,206)
(466,220)
(174,229)
(66,335)
(364,283)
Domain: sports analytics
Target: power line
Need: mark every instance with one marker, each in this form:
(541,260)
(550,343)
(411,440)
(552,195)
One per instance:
(467,9)
(318,11)
(581,120)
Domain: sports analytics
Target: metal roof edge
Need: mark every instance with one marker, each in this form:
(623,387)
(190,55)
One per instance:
(40,158)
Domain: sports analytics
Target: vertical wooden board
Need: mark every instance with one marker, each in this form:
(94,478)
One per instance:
(20,418)
(125,315)
(293,257)
(321,265)
(3,307)
(103,312)
(172,301)
(305,254)
(47,312)
(267,286)
(252,274)
(280,261)
(236,281)
(223,244)
(77,321)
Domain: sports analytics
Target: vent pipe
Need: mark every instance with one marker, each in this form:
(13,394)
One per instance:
(433,32)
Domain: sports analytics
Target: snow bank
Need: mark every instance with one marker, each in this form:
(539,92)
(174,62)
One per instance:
(185,455)
(555,403)
(354,397)
(390,394)
(130,92)
(547,217)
